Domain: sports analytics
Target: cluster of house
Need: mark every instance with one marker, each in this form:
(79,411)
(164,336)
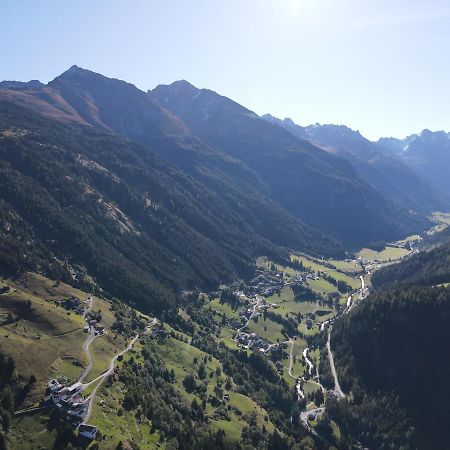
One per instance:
(266,283)
(252,341)
(93,324)
(248,312)
(159,333)
(71,405)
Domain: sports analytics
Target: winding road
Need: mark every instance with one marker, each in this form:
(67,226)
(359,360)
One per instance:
(255,307)
(87,343)
(101,378)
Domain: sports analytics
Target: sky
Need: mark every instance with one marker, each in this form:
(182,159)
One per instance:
(379,66)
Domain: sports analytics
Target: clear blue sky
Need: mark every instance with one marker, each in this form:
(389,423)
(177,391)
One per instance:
(380,66)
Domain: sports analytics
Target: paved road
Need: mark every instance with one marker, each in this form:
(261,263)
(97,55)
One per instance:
(337,387)
(110,370)
(306,414)
(87,343)
(103,377)
(255,307)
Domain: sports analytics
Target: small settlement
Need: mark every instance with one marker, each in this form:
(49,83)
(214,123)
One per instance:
(70,404)
(67,398)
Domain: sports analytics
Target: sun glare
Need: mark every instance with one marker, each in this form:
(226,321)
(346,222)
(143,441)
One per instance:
(295,6)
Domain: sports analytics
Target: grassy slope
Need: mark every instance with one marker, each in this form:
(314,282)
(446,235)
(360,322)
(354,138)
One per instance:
(45,341)
(387,254)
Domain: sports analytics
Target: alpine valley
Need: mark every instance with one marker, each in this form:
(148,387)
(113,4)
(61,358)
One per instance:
(177,272)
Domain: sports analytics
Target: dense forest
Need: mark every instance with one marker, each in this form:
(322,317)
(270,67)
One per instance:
(428,268)
(391,355)
(283,186)
(77,201)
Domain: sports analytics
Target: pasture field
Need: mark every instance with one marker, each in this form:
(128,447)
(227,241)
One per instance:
(293,307)
(389,253)
(222,308)
(317,266)
(267,329)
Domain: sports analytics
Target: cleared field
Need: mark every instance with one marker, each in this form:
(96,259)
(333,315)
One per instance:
(413,238)
(293,307)
(322,286)
(310,387)
(221,308)
(103,349)
(267,329)
(389,253)
(440,217)
(286,295)
(308,332)
(348,266)
(231,428)
(336,274)
(298,368)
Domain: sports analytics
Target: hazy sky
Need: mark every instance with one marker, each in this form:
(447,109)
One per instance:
(380,66)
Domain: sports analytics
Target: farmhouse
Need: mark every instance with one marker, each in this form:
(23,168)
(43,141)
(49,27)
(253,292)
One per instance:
(87,431)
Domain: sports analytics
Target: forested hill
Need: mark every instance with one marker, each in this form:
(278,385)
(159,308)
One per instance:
(378,166)
(322,189)
(391,354)
(232,152)
(76,201)
(427,268)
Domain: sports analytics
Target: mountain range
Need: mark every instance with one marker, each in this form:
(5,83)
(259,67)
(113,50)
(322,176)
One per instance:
(428,153)
(192,178)
(383,165)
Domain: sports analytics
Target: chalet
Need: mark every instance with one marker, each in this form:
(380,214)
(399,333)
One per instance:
(159,333)
(99,329)
(87,431)
(74,388)
(54,386)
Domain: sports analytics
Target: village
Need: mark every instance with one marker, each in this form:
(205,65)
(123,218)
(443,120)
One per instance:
(254,298)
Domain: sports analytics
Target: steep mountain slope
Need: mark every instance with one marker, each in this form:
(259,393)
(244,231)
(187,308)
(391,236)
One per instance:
(428,153)
(427,268)
(111,105)
(114,209)
(318,187)
(390,355)
(380,168)
(247,161)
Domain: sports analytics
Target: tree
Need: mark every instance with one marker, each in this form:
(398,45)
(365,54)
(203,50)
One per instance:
(189,383)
